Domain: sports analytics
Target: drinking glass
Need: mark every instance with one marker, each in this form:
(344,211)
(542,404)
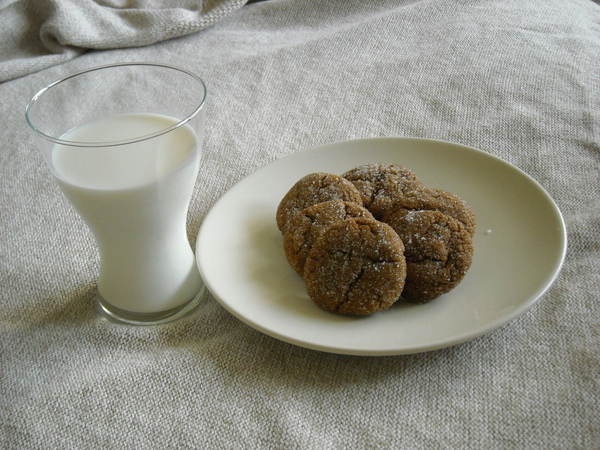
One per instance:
(123,141)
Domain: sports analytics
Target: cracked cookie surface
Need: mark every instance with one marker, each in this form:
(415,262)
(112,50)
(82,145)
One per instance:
(438,252)
(430,200)
(314,188)
(310,224)
(356,267)
(378,183)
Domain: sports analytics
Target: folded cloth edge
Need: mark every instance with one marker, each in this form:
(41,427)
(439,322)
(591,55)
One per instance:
(39,35)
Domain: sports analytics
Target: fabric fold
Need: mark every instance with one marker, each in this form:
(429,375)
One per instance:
(39,34)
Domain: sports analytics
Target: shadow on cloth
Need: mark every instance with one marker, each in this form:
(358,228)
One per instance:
(57,308)
(244,357)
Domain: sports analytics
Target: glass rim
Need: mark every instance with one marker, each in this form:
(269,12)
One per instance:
(57,140)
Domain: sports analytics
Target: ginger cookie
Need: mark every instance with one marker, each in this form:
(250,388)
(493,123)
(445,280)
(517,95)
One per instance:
(310,223)
(450,204)
(431,200)
(378,183)
(314,188)
(356,267)
(438,252)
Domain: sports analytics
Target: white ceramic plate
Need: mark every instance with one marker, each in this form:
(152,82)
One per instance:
(520,246)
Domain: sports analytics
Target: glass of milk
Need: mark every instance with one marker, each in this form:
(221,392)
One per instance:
(123,142)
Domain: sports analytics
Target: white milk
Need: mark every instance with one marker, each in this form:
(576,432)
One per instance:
(135,198)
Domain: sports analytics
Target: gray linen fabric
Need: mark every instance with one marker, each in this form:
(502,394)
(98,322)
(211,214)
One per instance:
(517,79)
(40,33)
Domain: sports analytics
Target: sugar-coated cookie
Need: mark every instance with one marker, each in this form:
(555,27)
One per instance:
(438,252)
(356,267)
(312,189)
(310,224)
(379,183)
(430,200)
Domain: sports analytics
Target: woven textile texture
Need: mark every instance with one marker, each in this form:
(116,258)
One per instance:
(38,34)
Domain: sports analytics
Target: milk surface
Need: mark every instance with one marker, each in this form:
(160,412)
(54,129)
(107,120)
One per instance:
(134,198)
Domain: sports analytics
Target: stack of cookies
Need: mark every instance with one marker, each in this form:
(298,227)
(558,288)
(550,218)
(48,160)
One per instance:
(364,239)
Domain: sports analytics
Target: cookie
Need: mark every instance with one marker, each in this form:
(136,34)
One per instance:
(356,267)
(378,183)
(312,189)
(450,204)
(430,200)
(310,223)
(438,252)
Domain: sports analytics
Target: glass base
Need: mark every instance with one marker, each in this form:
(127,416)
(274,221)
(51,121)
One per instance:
(118,315)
